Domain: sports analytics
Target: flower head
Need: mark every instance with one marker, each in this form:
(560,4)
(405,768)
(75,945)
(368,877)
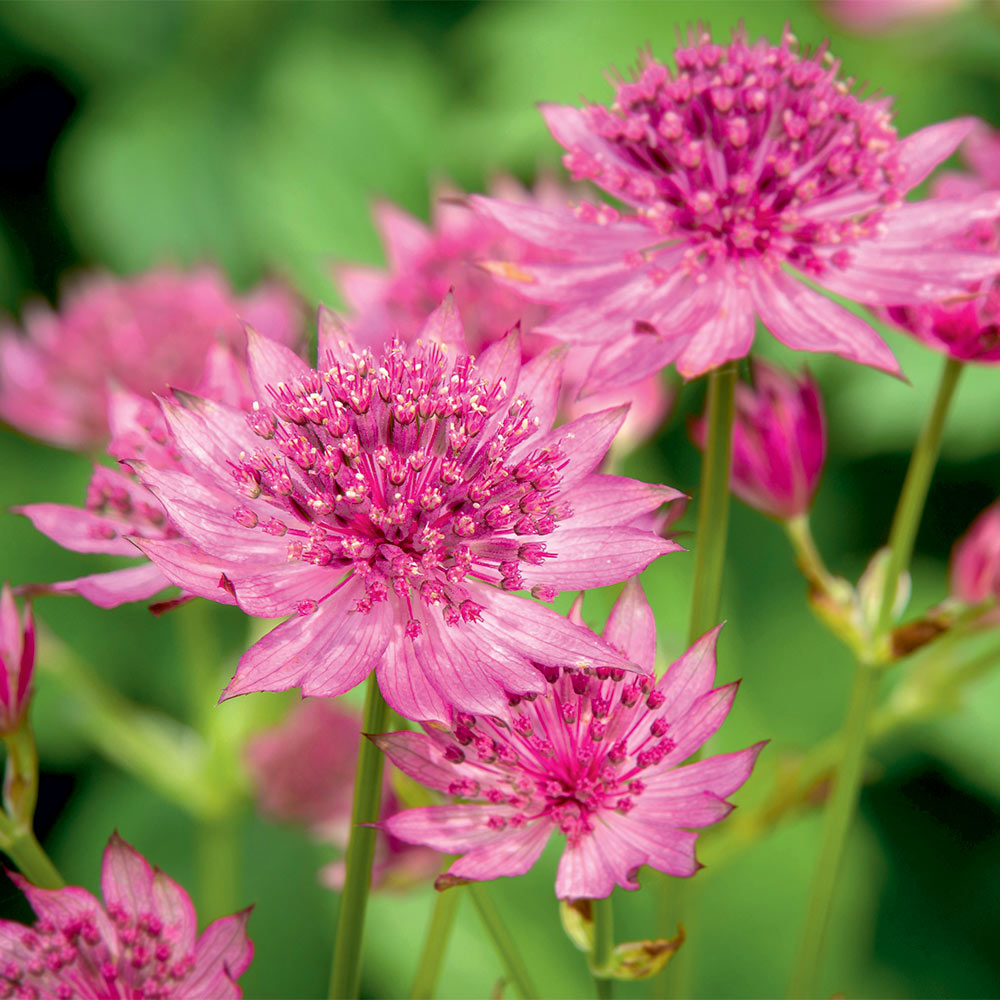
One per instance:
(141,942)
(744,167)
(141,334)
(17,661)
(452,255)
(975,562)
(596,756)
(303,771)
(779,441)
(967,326)
(393,502)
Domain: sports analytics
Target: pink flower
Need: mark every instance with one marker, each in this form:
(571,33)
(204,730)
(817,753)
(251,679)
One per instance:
(17,662)
(141,334)
(779,441)
(117,506)
(965,327)
(975,562)
(874,16)
(142,942)
(428,262)
(392,503)
(303,772)
(597,756)
(747,167)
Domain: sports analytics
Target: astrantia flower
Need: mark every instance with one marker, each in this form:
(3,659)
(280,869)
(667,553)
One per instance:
(967,326)
(392,503)
(779,441)
(426,262)
(17,661)
(303,772)
(975,563)
(598,757)
(117,506)
(142,334)
(142,941)
(748,167)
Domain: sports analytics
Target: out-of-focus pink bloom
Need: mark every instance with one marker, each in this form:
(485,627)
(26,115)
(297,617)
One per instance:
(975,562)
(142,941)
(303,772)
(779,441)
(747,167)
(17,661)
(597,756)
(965,327)
(426,262)
(142,334)
(874,16)
(392,503)
(118,507)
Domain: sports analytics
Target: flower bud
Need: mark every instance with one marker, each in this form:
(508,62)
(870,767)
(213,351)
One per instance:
(975,561)
(17,662)
(779,441)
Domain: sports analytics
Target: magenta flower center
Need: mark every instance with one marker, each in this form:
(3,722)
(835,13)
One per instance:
(567,757)
(398,469)
(746,152)
(72,960)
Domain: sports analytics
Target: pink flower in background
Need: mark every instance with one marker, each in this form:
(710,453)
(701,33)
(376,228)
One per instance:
(874,16)
(392,503)
(597,756)
(966,326)
(303,772)
(779,441)
(975,562)
(17,661)
(426,262)
(141,334)
(117,506)
(746,168)
(142,941)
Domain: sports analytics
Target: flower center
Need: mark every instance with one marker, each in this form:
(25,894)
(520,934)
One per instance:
(746,151)
(399,470)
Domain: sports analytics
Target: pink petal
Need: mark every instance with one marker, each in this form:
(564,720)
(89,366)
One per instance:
(444,326)
(404,237)
(78,530)
(513,853)
(325,653)
(631,627)
(120,586)
(63,905)
(361,287)
(922,151)
(270,363)
(173,906)
(615,500)
(419,756)
(404,683)
(184,565)
(584,441)
(724,337)
(721,774)
(666,849)
(223,953)
(696,726)
(209,434)
(451,829)
(690,676)
(541,381)
(600,861)
(126,878)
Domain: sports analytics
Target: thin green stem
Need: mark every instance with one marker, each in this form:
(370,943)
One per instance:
(438,934)
(510,957)
(837,821)
(906,520)
(345,976)
(20,783)
(604,945)
(20,844)
(807,556)
(713,503)
(847,782)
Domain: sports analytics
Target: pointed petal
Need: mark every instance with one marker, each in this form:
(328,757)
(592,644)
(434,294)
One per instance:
(593,867)
(665,848)
(209,434)
(922,151)
(615,500)
(404,237)
(690,676)
(721,775)
(126,878)
(78,530)
(404,683)
(697,726)
(541,381)
(444,326)
(513,853)
(120,586)
(423,759)
(451,829)
(223,953)
(270,363)
(631,626)
(584,442)
(726,336)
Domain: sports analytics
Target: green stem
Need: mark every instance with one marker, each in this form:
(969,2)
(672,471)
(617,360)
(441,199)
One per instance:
(807,556)
(20,783)
(906,520)
(847,782)
(604,945)
(837,821)
(517,972)
(345,976)
(713,503)
(438,934)
(20,844)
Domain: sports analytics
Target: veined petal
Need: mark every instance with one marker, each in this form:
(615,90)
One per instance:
(270,363)
(223,953)
(119,586)
(584,441)
(726,336)
(721,774)
(690,676)
(513,854)
(698,725)
(78,530)
(404,683)
(450,829)
(666,849)
(922,151)
(631,626)
(600,500)
(419,756)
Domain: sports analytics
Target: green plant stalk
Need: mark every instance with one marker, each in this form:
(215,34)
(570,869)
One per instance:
(847,781)
(20,782)
(19,843)
(604,945)
(807,556)
(906,520)
(510,958)
(345,976)
(713,503)
(438,934)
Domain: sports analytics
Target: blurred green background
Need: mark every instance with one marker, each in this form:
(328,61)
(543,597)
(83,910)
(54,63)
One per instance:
(258,135)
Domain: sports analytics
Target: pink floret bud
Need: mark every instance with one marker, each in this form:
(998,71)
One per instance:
(17,662)
(975,562)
